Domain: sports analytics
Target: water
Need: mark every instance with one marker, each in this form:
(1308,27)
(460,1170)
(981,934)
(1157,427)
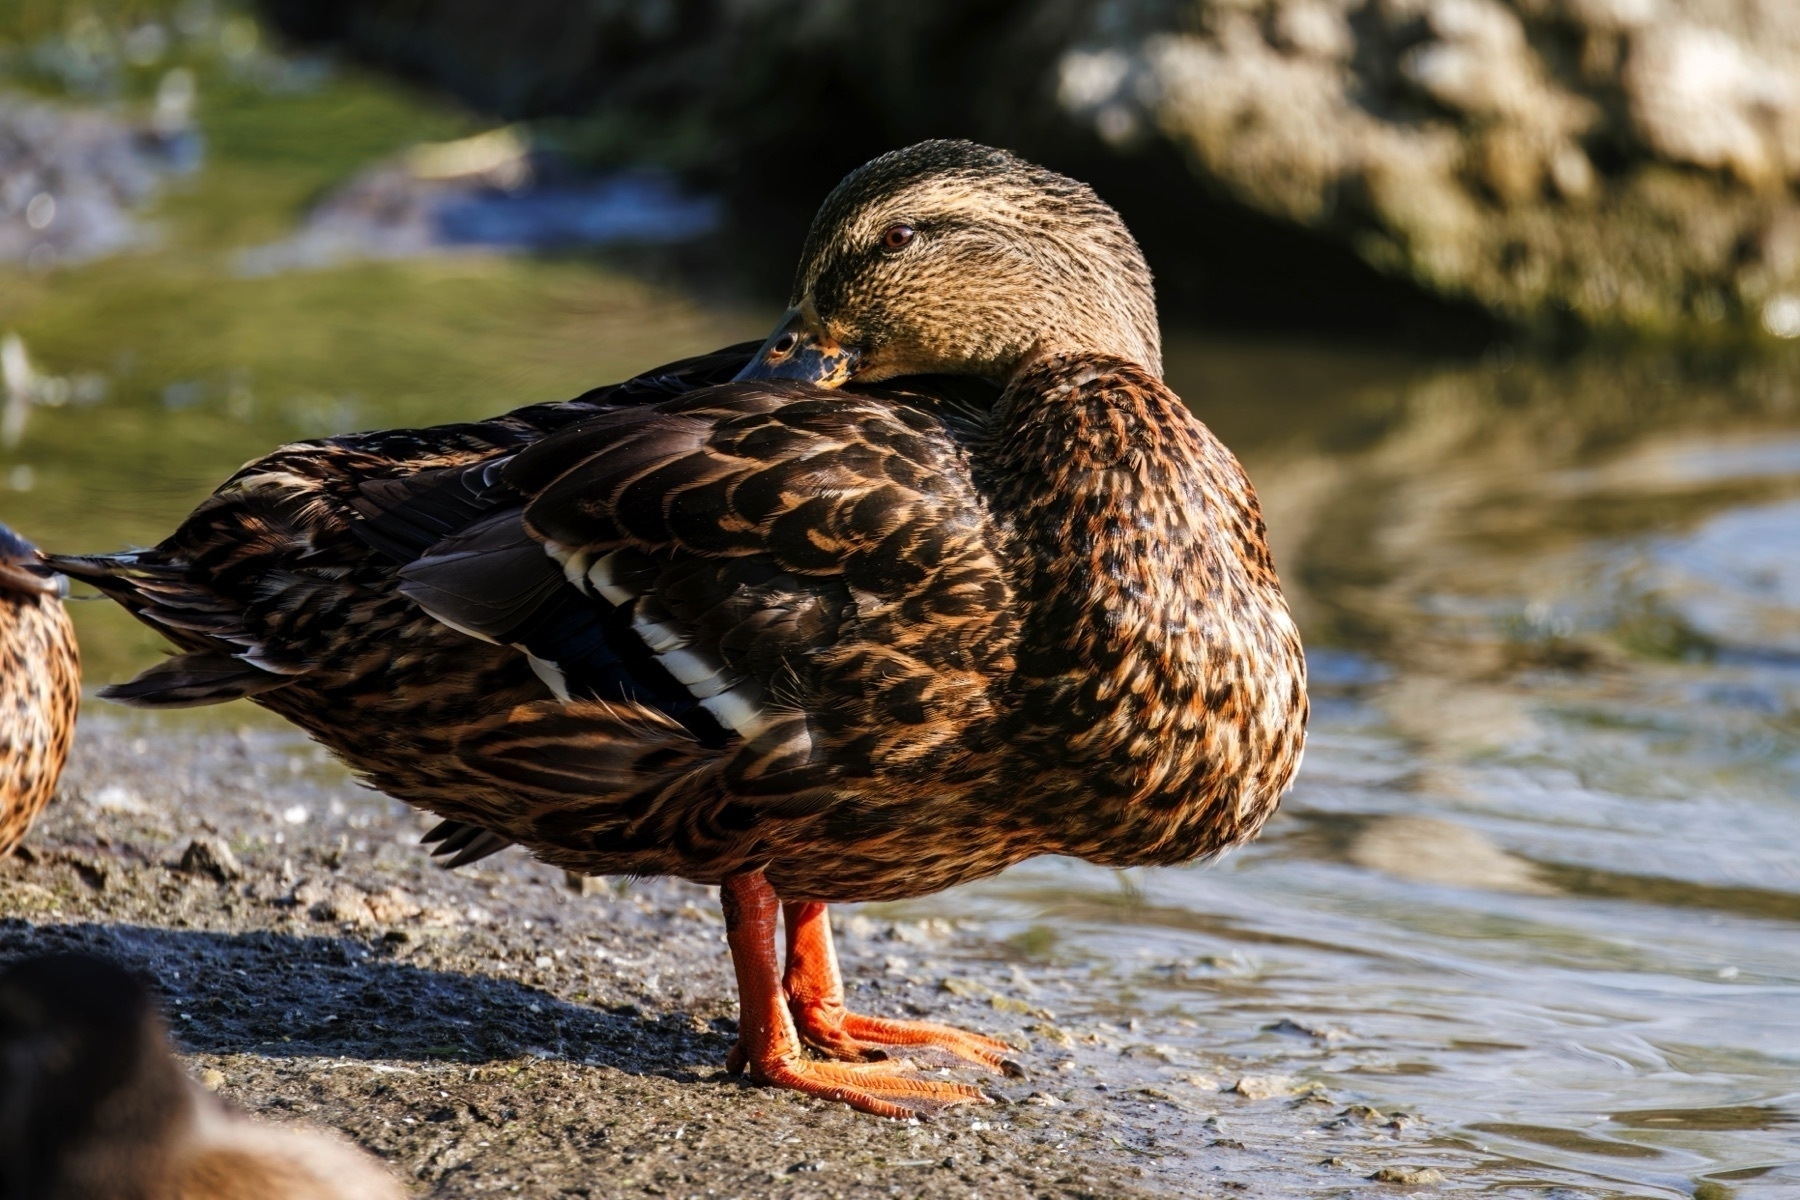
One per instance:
(1539,882)
(1540,867)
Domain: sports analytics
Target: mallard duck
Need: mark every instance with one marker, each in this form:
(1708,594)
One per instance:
(96,1108)
(40,686)
(939,577)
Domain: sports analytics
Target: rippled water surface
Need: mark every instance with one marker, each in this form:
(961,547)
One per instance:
(1539,883)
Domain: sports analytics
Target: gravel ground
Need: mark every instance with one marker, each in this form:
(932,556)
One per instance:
(496,1029)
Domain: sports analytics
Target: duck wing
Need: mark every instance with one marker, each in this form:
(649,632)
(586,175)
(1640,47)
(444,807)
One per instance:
(739,595)
(273,576)
(282,584)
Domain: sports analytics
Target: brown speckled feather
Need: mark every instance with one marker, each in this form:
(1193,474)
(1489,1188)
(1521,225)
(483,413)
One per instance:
(1063,631)
(822,560)
(40,688)
(291,570)
(1058,625)
(1161,688)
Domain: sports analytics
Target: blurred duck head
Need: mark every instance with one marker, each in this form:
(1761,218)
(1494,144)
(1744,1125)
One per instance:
(94,1106)
(90,1099)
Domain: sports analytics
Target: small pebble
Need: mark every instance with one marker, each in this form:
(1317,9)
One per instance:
(212,857)
(1262,1087)
(1408,1175)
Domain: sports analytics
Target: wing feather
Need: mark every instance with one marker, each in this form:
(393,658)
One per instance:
(191,680)
(742,589)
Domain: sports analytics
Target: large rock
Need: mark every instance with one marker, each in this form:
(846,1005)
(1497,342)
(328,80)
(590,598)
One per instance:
(1627,162)
(1605,163)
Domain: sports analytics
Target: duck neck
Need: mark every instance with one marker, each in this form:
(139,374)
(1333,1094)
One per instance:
(1155,638)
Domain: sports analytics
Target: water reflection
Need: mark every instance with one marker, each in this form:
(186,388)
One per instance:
(1743,1116)
(1421,849)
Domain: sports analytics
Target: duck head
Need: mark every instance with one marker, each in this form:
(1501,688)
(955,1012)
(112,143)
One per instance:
(953,258)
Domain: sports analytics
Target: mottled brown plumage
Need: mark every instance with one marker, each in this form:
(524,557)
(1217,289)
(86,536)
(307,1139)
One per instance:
(40,687)
(813,645)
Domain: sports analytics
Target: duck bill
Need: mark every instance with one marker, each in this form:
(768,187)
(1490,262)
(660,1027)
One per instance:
(800,349)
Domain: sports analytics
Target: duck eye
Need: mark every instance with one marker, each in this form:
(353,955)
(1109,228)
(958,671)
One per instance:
(897,236)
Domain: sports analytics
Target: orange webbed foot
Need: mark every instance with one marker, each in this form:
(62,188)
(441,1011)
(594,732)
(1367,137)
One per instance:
(815,994)
(853,1037)
(769,1050)
(887,1089)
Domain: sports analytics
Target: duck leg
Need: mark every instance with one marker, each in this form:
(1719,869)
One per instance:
(769,1048)
(815,992)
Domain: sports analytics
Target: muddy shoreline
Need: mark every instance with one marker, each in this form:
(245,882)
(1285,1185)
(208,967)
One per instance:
(499,1030)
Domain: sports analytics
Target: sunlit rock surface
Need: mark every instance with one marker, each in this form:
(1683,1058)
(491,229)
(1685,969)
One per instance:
(1611,163)
(492,191)
(1623,161)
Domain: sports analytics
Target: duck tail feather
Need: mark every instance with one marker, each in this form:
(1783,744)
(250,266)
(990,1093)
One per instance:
(117,576)
(192,680)
(455,844)
(90,566)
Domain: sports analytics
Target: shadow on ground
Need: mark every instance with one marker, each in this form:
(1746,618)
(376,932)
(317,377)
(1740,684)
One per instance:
(284,996)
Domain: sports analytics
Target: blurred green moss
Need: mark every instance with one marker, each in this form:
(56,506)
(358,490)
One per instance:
(199,367)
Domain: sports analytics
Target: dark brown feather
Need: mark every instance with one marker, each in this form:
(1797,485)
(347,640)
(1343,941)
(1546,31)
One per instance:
(192,680)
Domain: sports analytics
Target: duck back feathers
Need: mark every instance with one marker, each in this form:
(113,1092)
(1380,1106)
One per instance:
(695,627)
